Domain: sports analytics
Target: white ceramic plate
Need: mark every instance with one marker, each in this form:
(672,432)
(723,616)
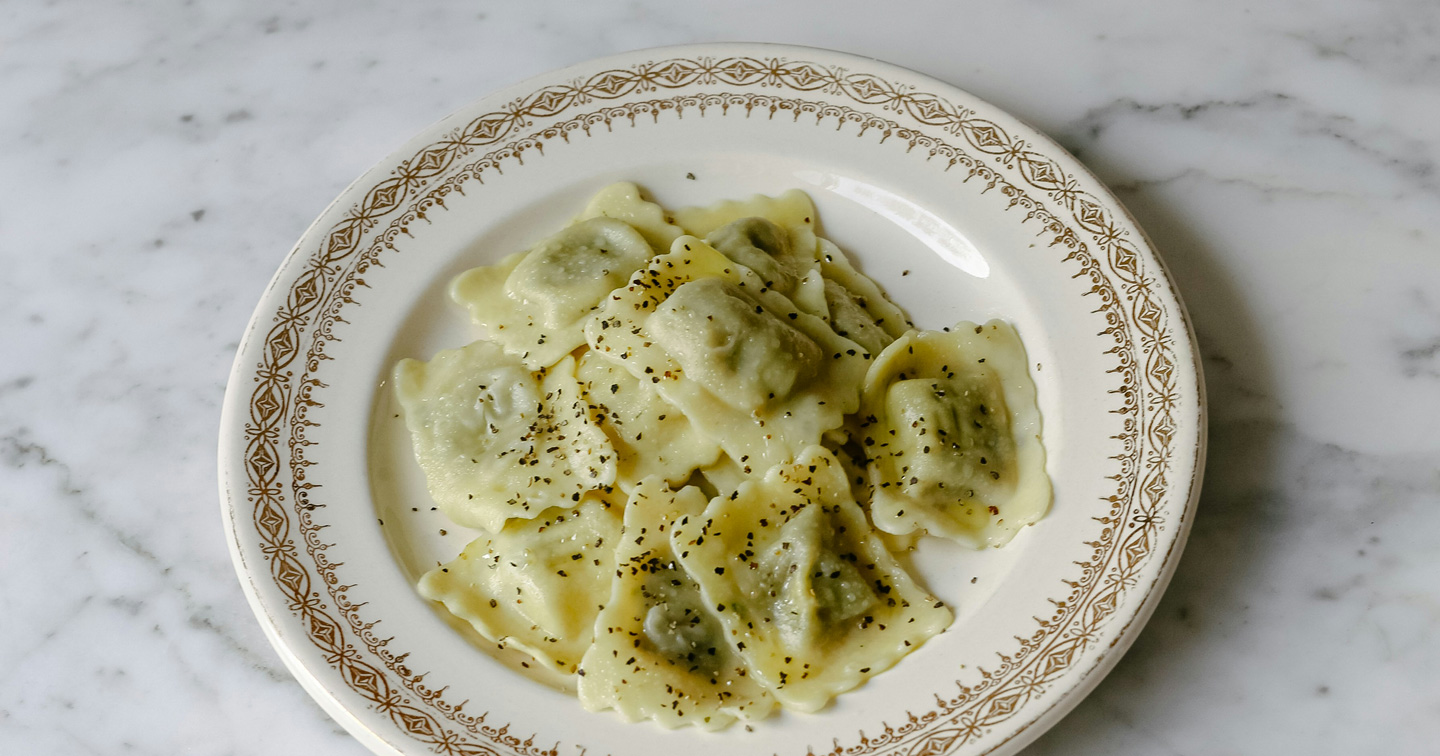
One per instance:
(959,210)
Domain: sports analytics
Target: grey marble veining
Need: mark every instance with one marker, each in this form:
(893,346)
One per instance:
(159,159)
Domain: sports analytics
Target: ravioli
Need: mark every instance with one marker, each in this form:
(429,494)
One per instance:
(784,264)
(858,309)
(810,599)
(623,202)
(848,317)
(535,303)
(731,225)
(659,651)
(782,432)
(752,372)
(650,436)
(496,441)
(792,211)
(953,435)
(537,585)
(853,465)
(725,475)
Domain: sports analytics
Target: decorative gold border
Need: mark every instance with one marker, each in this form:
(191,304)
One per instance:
(325,286)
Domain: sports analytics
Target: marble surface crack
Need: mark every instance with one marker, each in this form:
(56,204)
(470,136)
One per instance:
(1253,184)
(19,452)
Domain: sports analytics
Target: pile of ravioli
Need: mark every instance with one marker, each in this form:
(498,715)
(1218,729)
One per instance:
(694,441)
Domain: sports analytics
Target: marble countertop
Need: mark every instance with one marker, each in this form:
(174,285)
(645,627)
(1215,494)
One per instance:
(159,159)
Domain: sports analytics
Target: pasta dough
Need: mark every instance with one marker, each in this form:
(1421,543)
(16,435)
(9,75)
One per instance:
(496,441)
(812,601)
(953,435)
(537,585)
(779,428)
(785,265)
(791,210)
(659,652)
(622,201)
(649,435)
(751,371)
(535,303)
(858,310)
(773,236)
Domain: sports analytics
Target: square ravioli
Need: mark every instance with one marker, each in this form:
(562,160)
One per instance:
(809,597)
(751,371)
(773,236)
(659,652)
(779,429)
(537,585)
(622,201)
(953,434)
(496,441)
(791,210)
(858,309)
(535,303)
(772,254)
(650,436)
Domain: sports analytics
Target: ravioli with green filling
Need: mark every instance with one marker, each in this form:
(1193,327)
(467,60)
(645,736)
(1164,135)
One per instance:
(785,265)
(660,652)
(781,430)
(650,436)
(535,303)
(537,585)
(953,434)
(858,309)
(791,210)
(750,370)
(775,236)
(809,597)
(624,202)
(496,441)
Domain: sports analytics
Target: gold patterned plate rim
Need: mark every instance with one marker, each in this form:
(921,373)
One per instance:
(1044,639)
